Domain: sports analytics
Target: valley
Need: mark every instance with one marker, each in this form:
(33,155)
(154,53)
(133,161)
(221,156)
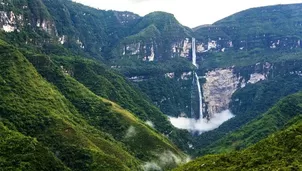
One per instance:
(89,89)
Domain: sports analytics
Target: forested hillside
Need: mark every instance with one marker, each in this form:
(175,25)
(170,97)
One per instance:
(90,89)
(280,150)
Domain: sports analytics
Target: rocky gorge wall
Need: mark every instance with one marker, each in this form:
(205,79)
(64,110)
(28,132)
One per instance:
(26,16)
(220,85)
(171,92)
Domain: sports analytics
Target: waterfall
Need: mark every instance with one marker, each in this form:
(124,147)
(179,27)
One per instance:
(200,113)
(199,95)
(197,122)
(194,52)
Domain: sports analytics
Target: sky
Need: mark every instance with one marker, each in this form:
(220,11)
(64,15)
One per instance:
(190,13)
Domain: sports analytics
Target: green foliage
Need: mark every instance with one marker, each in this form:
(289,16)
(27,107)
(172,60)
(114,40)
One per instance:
(35,108)
(247,104)
(245,58)
(280,151)
(151,32)
(107,116)
(19,152)
(158,30)
(166,23)
(136,67)
(98,30)
(265,34)
(107,84)
(273,120)
(171,95)
(27,14)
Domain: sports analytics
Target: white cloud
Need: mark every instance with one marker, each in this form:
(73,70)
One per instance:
(189,12)
(150,123)
(148,166)
(165,158)
(131,132)
(202,125)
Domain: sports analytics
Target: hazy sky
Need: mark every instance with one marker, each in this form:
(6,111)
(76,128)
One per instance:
(189,12)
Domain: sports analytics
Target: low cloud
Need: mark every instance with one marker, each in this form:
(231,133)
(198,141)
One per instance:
(148,166)
(163,160)
(202,125)
(150,123)
(131,132)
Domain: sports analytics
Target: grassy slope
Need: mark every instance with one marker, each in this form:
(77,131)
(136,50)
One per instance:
(107,84)
(108,116)
(14,146)
(35,108)
(281,150)
(94,28)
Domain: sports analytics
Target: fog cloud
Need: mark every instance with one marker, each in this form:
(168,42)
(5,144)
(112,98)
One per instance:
(131,132)
(150,123)
(148,166)
(202,125)
(164,159)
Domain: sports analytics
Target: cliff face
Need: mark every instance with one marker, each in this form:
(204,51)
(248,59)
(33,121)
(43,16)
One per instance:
(156,36)
(26,15)
(265,41)
(150,50)
(220,85)
(271,28)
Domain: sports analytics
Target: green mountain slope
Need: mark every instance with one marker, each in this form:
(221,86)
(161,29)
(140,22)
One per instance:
(247,104)
(105,115)
(14,145)
(269,34)
(110,85)
(155,34)
(50,26)
(281,150)
(35,108)
(90,30)
(72,124)
(85,116)
(266,34)
(26,22)
(257,26)
(271,121)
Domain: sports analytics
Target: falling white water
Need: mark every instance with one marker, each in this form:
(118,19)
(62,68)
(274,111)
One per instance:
(199,95)
(202,124)
(194,52)
(200,113)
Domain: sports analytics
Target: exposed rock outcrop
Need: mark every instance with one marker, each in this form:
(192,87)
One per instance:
(221,84)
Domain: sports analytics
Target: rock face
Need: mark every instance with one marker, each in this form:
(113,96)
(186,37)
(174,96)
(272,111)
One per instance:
(26,18)
(149,51)
(8,21)
(220,85)
(262,27)
(218,89)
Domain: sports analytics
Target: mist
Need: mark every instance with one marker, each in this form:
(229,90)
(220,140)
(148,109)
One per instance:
(202,125)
